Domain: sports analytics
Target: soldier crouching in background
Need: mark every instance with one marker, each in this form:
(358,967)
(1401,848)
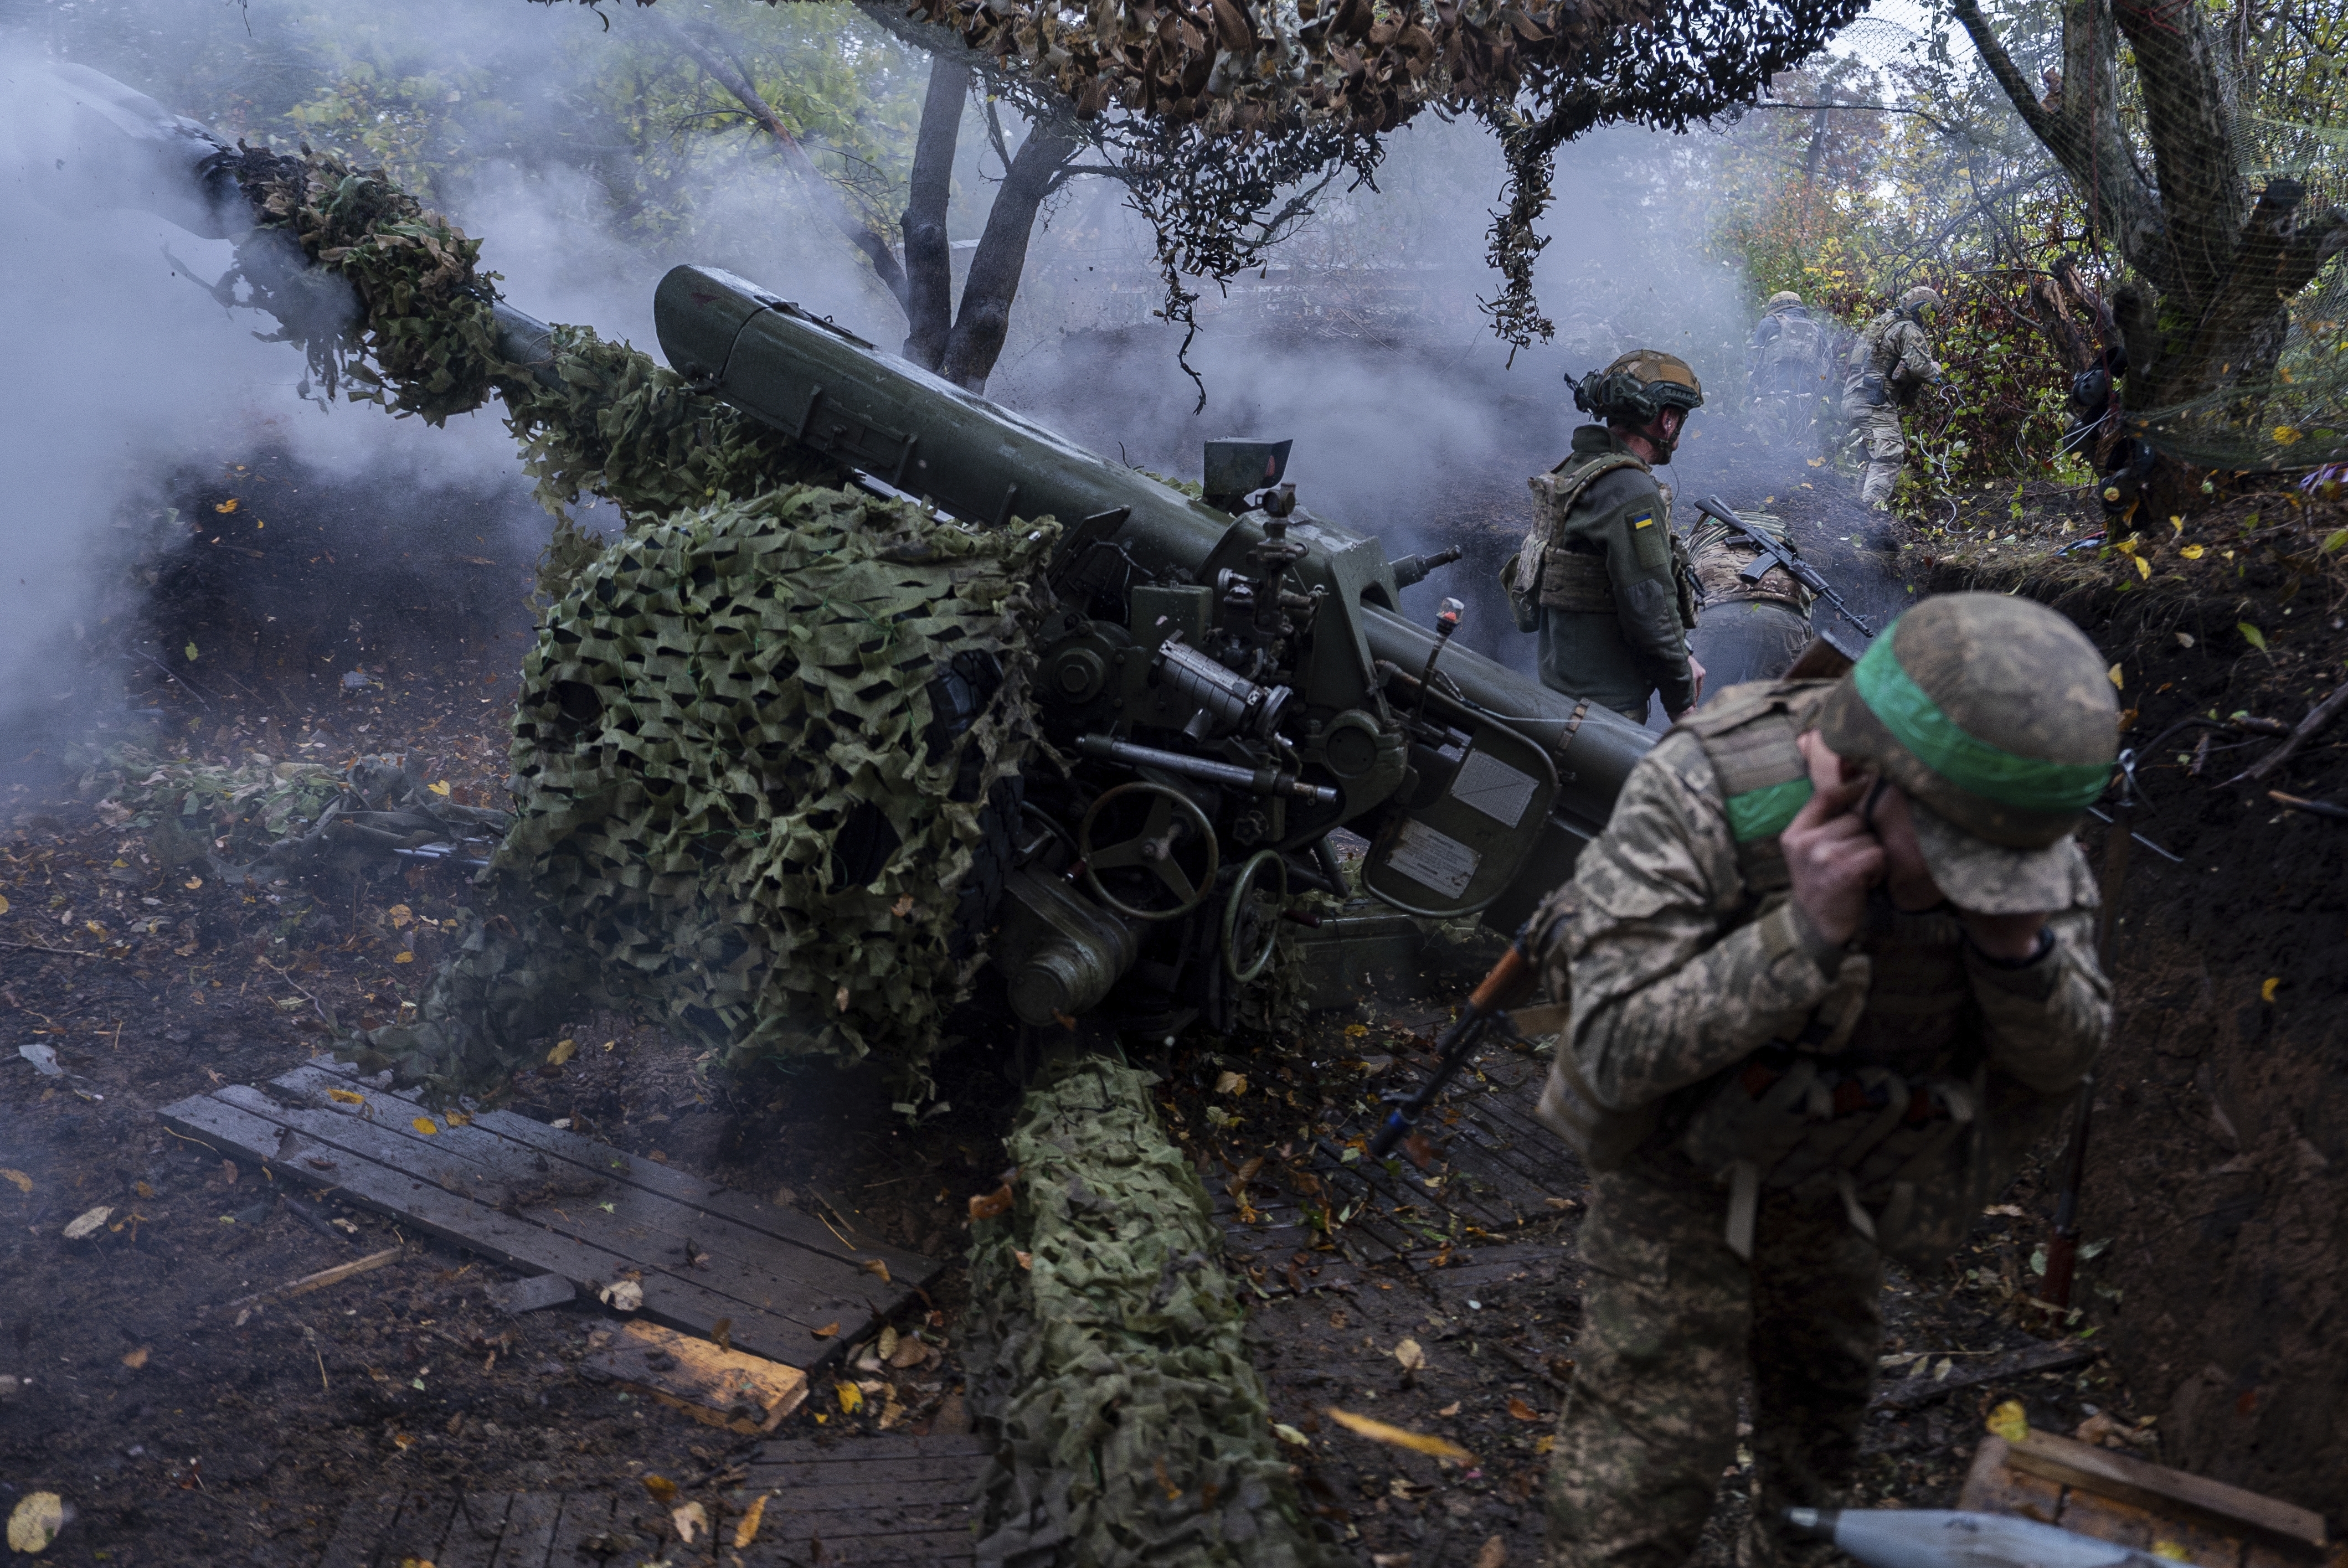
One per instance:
(1832,974)
(1601,575)
(1744,631)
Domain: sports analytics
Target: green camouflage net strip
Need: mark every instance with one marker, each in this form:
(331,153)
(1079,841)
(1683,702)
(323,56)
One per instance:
(599,417)
(622,426)
(713,702)
(1106,1343)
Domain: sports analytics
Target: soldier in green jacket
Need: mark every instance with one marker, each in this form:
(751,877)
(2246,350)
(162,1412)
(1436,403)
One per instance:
(1601,575)
(1832,973)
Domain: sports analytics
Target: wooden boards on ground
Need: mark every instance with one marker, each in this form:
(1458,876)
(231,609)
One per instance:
(551,1202)
(2115,1497)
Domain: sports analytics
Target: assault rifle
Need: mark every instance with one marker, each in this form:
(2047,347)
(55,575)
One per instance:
(1510,983)
(1774,554)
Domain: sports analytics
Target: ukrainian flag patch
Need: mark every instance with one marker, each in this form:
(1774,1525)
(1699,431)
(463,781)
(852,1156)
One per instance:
(1643,520)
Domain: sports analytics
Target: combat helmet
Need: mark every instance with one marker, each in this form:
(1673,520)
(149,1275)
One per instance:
(1636,389)
(1995,716)
(1783,299)
(1918,300)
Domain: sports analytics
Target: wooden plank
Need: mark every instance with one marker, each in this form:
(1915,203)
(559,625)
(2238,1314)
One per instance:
(781,1223)
(784,1335)
(727,1389)
(783,1544)
(2162,1489)
(1991,1487)
(929,1472)
(362,1524)
(530,1531)
(680,1303)
(1915,1391)
(585,1515)
(474,1530)
(416,1534)
(791,1282)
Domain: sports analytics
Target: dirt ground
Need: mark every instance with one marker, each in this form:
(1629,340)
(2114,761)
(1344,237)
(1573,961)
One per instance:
(183,1428)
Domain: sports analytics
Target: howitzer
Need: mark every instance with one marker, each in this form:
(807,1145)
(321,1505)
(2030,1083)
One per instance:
(1237,681)
(1230,680)
(1774,554)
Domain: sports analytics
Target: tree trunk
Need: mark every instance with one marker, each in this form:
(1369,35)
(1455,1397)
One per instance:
(2221,267)
(980,326)
(929,252)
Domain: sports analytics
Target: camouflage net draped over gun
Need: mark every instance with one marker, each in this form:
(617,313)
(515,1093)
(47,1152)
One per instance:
(416,330)
(766,769)
(1135,1428)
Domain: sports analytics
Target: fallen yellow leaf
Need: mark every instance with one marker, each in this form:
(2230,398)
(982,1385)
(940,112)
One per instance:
(2117,680)
(851,1398)
(456,1118)
(2191,552)
(2174,1551)
(4,903)
(663,1489)
(2144,568)
(426,1125)
(989,1205)
(224,506)
(689,1520)
(35,1522)
(88,1222)
(401,915)
(2009,1421)
(1400,1437)
(753,1516)
(875,1265)
(562,1052)
(826,1332)
(1521,1410)
(403,956)
(1230,1083)
(346,1097)
(1411,1354)
(23,1183)
(2267,992)
(1545,1443)
(192,883)
(439,789)
(136,1359)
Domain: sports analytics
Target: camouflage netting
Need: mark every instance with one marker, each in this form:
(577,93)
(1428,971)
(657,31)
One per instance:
(762,749)
(728,712)
(1106,1340)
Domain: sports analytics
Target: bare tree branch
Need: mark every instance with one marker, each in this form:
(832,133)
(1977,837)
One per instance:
(744,92)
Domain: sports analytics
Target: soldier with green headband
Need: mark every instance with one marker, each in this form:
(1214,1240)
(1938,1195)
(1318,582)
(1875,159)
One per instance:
(1832,975)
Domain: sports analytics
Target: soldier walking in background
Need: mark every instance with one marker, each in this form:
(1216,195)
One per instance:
(1832,974)
(1890,363)
(1744,631)
(1601,575)
(1788,371)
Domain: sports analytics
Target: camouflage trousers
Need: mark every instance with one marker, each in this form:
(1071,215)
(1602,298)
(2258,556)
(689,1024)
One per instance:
(1887,449)
(1672,1324)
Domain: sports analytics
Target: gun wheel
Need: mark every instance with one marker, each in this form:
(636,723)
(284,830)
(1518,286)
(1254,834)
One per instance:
(1148,862)
(1252,917)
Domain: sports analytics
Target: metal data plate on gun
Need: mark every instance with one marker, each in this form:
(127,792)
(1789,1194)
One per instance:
(1461,853)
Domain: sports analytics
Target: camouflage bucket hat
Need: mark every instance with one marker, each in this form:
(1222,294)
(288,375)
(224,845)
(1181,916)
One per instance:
(1995,716)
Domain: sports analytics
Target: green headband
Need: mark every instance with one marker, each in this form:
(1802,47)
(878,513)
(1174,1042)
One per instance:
(1917,723)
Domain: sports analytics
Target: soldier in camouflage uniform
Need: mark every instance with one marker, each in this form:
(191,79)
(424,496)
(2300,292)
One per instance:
(1831,973)
(1786,364)
(1744,631)
(1601,575)
(1889,364)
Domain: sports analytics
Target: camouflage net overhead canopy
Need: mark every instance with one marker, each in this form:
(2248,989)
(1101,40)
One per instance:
(766,761)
